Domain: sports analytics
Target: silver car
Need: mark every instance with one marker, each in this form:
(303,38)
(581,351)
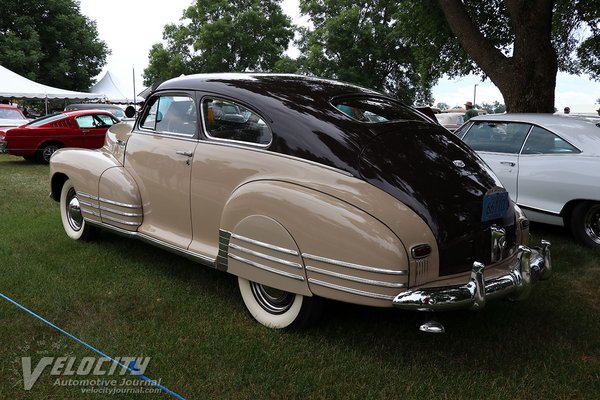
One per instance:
(549,164)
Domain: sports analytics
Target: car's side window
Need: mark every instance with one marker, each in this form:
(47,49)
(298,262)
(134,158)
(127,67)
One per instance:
(171,114)
(85,122)
(227,120)
(497,137)
(542,141)
(107,120)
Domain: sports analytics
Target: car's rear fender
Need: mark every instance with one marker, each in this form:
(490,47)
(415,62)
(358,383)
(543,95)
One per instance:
(304,241)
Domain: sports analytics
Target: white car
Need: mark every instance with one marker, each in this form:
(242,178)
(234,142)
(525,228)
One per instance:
(549,164)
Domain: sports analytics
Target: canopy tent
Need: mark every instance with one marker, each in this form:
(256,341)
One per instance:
(113,89)
(14,86)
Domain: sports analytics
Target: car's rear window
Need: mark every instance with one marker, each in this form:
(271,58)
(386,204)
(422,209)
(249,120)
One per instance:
(376,110)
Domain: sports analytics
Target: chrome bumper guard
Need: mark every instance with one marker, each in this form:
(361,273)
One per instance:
(531,264)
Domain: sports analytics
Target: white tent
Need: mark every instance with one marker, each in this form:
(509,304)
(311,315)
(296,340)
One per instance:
(115,91)
(14,86)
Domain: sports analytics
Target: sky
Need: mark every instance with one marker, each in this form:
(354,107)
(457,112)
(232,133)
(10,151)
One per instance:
(131,27)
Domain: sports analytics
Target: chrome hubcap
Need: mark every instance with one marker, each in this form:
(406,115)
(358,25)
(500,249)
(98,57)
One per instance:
(272,300)
(592,223)
(74,211)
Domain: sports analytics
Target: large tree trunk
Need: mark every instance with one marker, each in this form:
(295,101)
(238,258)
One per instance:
(527,79)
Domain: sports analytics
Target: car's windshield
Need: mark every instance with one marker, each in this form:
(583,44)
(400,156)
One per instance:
(376,110)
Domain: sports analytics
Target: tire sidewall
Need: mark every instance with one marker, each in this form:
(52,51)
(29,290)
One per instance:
(578,224)
(72,233)
(276,321)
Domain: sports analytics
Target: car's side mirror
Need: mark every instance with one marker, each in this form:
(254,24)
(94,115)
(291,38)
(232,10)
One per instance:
(130,111)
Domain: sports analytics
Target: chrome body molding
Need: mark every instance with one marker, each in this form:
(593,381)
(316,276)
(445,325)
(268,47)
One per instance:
(125,214)
(207,261)
(265,256)
(352,278)
(263,244)
(266,268)
(530,264)
(116,203)
(350,290)
(120,221)
(354,266)
(222,257)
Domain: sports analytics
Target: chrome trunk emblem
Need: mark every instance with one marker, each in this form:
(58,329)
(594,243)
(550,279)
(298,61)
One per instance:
(459,163)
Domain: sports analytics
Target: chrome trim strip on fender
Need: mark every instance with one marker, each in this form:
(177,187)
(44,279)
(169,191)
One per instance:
(120,221)
(222,259)
(355,278)
(90,205)
(94,213)
(355,266)
(116,203)
(263,244)
(265,256)
(266,268)
(350,290)
(88,196)
(124,214)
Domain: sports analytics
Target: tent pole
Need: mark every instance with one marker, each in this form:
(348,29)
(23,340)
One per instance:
(134,94)
(46,104)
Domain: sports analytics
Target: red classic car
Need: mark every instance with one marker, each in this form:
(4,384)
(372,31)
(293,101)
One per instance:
(39,139)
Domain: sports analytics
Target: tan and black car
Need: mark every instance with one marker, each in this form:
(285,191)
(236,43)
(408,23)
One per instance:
(305,189)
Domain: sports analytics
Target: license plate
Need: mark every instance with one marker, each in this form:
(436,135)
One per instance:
(495,206)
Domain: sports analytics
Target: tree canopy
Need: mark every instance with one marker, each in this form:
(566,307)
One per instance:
(51,42)
(358,42)
(402,47)
(518,44)
(222,36)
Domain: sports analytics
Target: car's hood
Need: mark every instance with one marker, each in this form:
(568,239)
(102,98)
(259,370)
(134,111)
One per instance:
(438,177)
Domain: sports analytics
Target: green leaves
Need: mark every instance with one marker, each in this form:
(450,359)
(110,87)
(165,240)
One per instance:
(222,36)
(50,42)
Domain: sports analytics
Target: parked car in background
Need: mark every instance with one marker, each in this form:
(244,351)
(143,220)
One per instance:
(11,116)
(266,177)
(450,121)
(549,164)
(115,110)
(39,139)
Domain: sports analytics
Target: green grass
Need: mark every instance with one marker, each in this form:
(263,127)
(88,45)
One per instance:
(128,298)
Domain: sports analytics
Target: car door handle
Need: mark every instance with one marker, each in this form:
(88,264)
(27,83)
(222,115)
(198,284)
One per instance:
(509,163)
(184,153)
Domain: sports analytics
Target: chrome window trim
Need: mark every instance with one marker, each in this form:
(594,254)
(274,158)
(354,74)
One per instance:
(371,282)
(263,244)
(355,266)
(351,290)
(265,256)
(238,142)
(155,132)
(266,268)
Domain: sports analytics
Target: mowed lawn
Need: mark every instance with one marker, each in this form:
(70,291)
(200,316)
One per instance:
(128,298)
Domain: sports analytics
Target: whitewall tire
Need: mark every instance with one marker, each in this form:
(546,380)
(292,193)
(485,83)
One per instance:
(276,308)
(70,214)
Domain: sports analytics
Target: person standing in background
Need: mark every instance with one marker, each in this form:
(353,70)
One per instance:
(471,111)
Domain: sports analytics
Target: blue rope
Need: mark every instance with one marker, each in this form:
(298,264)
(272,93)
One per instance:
(131,368)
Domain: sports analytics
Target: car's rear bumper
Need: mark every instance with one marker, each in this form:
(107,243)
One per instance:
(529,266)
